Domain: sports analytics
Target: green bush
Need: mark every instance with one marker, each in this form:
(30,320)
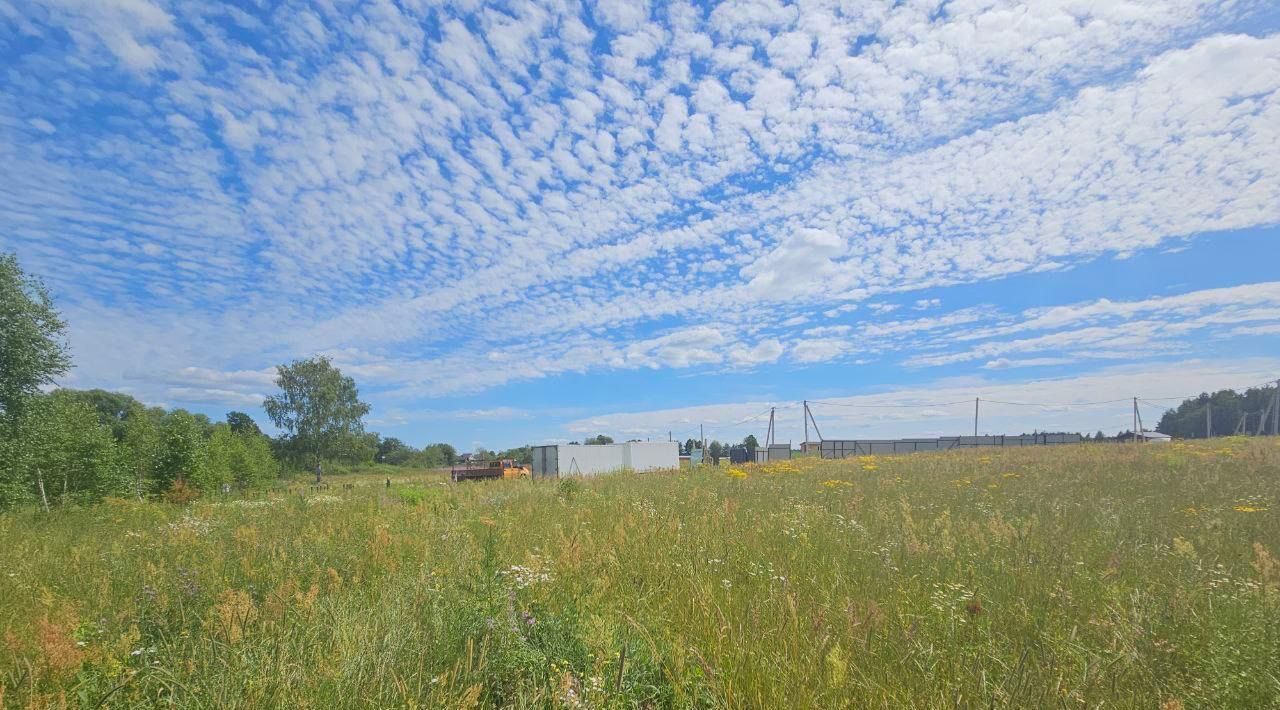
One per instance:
(241,459)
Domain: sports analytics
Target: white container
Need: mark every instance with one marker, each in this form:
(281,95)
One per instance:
(650,455)
(589,459)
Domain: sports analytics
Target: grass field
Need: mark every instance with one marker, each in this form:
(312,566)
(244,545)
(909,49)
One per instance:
(1074,576)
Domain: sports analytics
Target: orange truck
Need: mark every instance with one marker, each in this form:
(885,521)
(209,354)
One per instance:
(502,468)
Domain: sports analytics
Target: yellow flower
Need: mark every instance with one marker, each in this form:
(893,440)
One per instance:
(1249,508)
(735,472)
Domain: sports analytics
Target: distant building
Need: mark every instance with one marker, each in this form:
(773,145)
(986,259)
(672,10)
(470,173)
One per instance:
(1151,437)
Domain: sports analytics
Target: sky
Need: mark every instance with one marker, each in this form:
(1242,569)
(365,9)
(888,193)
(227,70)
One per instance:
(530,222)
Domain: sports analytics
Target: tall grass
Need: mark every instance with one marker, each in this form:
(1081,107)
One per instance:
(1126,576)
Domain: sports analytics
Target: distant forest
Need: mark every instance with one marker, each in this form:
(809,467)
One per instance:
(1230,410)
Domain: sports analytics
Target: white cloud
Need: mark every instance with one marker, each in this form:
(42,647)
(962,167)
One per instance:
(43,126)
(818,349)
(1006,363)
(418,200)
(766,351)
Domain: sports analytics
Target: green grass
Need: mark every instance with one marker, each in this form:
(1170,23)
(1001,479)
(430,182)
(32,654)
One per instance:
(1075,576)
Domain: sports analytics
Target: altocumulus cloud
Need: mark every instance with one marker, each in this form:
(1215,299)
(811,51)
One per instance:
(449,199)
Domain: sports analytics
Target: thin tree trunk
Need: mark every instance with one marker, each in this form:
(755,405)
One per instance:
(43,498)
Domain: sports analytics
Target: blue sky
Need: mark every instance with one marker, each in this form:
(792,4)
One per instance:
(528,222)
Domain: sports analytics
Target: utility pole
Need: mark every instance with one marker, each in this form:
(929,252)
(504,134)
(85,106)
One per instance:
(975,416)
(1135,420)
(805,445)
(1275,410)
(702,437)
(1208,420)
(816,430)
(1266,414)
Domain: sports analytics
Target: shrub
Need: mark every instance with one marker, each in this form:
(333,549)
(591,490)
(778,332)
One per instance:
(181,493)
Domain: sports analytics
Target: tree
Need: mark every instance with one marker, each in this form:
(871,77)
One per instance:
(689,446)
(599,439)
(1190,419)
(242,459)
(715,449)
(113,408)
(59,451)
(32,347)
(449,453)
(141,443)
(433,456)
(242,423)
(752,444)
(318,407)
(182,451)
(394,451)
(520,454)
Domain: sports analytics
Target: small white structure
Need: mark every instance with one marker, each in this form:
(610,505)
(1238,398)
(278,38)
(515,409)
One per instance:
(594,459)
(1155,437)
(650,455)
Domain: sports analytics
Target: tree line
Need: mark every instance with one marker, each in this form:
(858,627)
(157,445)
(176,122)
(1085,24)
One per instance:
(1231,411)
(74,446)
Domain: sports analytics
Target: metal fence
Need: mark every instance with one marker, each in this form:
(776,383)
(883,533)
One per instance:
(844,448)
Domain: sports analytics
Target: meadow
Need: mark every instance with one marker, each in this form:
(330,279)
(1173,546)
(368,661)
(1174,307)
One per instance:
(1074,576)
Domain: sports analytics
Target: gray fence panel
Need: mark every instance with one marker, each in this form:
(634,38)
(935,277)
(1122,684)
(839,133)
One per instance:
(845,448)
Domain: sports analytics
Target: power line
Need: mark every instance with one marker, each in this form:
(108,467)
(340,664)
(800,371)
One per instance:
(1057,404)
(828,403)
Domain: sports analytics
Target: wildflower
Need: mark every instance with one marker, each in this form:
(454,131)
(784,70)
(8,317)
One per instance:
(735,472)
(523,577)
(1249,508)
